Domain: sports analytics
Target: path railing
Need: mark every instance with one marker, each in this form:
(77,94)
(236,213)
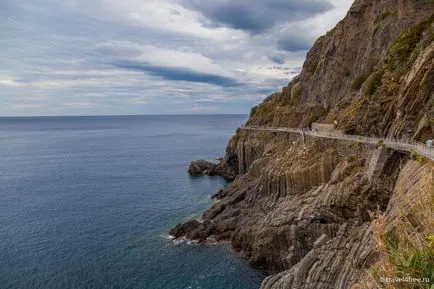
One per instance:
(398,144)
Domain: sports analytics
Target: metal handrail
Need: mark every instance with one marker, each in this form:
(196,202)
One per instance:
(403,144)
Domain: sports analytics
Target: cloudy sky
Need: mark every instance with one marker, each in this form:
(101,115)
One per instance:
(88,57)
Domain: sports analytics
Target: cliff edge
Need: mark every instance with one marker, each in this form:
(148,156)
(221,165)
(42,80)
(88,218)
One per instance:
(306,209)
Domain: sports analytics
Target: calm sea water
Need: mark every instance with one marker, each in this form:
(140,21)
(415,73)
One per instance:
(85,202)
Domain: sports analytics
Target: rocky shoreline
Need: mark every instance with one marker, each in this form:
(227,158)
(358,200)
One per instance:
(304,208)
(311,218)
(203,167)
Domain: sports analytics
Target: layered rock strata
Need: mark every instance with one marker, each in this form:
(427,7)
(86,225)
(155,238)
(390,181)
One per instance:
(302,207)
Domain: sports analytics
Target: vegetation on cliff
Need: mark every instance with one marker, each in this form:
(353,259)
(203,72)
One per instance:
(286,108)
(380,91)
(407,47)
(378,97)
(302,207)
(406,245)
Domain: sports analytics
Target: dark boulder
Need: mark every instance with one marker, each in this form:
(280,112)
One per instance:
(219,194)
(181,230)
(201,167)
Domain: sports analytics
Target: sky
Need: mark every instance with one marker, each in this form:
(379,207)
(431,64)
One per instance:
(111,57)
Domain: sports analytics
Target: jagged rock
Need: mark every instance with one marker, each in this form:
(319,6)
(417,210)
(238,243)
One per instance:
(343,260)
(182,229)
(299,211)
(359,76)
(219,194)
(200,167)
(290,205)
(301,207)
(225,168)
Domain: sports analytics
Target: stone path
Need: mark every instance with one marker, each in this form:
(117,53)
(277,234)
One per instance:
(396,144)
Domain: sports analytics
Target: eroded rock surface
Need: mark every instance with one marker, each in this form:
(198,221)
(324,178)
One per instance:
(201,167)
(225,168)
(301,207)
(296,198)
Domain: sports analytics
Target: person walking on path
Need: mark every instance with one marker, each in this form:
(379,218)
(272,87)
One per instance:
(429,144)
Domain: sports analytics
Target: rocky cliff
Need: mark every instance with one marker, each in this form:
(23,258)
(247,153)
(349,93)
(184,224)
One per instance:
(303,207)
(372,74)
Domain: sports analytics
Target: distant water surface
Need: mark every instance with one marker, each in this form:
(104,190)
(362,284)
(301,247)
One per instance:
(85,202)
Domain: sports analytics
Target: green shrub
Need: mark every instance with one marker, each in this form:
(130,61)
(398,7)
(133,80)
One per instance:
(315,111)
(374,82)
(357,82)
(417,157)
(404,45)
(264,112)
(406,245)
(410,262)
(379,144)
(312,66)
(238,185)
(296,92)
(253,111)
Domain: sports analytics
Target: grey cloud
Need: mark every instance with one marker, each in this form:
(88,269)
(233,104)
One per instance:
(277,58)
(53,51)
(179,74)
(256,16)
(295,40)
(293,45)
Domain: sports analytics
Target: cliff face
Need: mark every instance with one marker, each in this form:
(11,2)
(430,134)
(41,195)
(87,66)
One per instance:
(302,207)
(372,74)
(340,262)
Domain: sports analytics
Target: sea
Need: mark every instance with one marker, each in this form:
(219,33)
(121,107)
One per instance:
(86,203)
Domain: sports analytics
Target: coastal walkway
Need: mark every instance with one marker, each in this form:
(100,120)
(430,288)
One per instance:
(395,144)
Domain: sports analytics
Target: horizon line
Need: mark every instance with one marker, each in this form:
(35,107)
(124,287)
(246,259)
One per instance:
(125,115)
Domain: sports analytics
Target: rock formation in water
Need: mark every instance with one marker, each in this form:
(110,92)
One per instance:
(226,167)
(302,208)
